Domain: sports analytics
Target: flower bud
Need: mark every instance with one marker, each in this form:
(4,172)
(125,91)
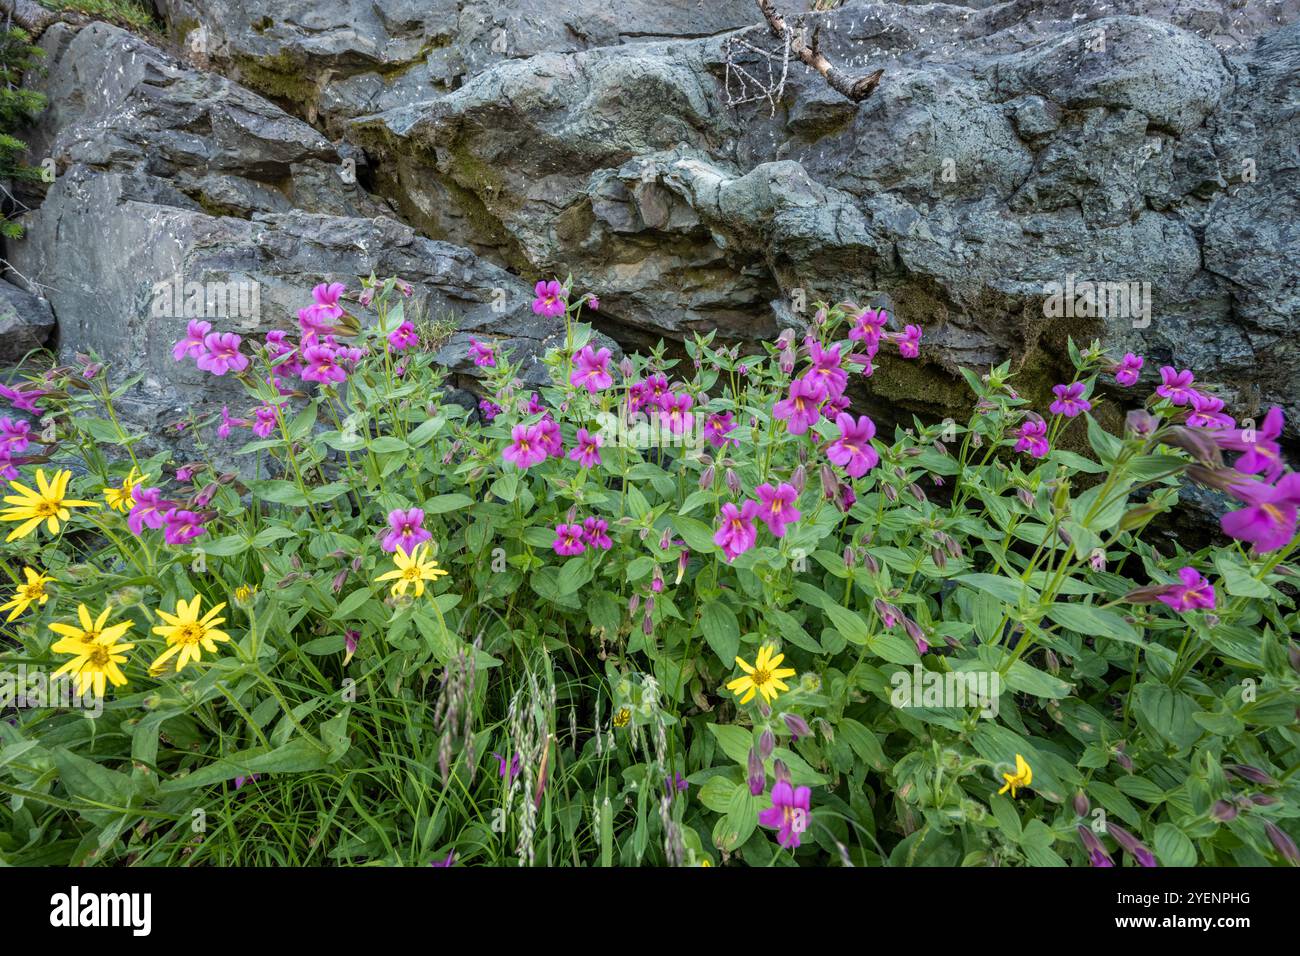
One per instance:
(797,726)
(732,481)
(915,632)
(780,771)
(849,556)
(755,776)
(1249,773)
(766,743)
(706,478)
(1283,843)
(1081,804)
(799,479)
(1224,811)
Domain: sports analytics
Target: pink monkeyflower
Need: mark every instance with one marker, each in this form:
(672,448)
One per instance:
(1176,386)
(404,337)
(909,342)
(1126,372)
(799,410)
(526,447)
(864,359)
(405,530)
(534,406)
(221,353)
(182,526)
(736,533)
(788,814)
(313,324)
(264,421)
(587,452)
(638,395)
(8,470)
(676,414)
(228,424)
(776,507)
(595,532)
(591,370)
(657,391)
(716,427)
(185,474)
(1069,400)
(593,302)
(14,438)
(569,539)
(23,398)
(552,437)
(1195,592)
(852,451)
(1033,438)
(319,317)
(868,326)
(322,365)
(489,410)
(833,408)
(1269,519)
(826,375)
(1207,412)
(148,511)
(484,355)
(1262,452)
(551,299)
(192,345)
(326,298)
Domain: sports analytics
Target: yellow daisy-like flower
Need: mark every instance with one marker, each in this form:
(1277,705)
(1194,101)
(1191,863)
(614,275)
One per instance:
(1023,777)
(186,632)
(122,499)
(245,593)
(95,650)
(623,717)
(764,677)
(412,569)
(25,594)
(47,504)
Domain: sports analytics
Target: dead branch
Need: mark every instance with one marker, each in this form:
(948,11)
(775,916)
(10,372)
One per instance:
(855,88)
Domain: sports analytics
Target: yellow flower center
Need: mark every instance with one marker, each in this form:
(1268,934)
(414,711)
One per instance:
(99,657)
(189,633)
(760,676)
(45,508)
(32,592)
(411,574)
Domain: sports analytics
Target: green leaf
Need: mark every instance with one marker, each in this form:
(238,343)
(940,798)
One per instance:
(1172,846)
(1093,621)
(721,630)
(441,504)
(696,534)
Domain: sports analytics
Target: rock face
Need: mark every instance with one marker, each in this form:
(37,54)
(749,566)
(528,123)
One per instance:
(26,323)
(175,180)
(1012,150)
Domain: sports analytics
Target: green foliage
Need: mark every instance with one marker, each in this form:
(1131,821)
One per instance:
(957,607)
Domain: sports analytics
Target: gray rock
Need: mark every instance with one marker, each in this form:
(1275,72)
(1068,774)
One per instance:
(334,61)
(1011,146)
(26,323)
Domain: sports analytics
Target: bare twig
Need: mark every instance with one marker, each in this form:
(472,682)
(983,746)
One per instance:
(855,88)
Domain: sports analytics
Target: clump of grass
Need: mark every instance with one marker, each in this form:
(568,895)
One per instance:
(124,13)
